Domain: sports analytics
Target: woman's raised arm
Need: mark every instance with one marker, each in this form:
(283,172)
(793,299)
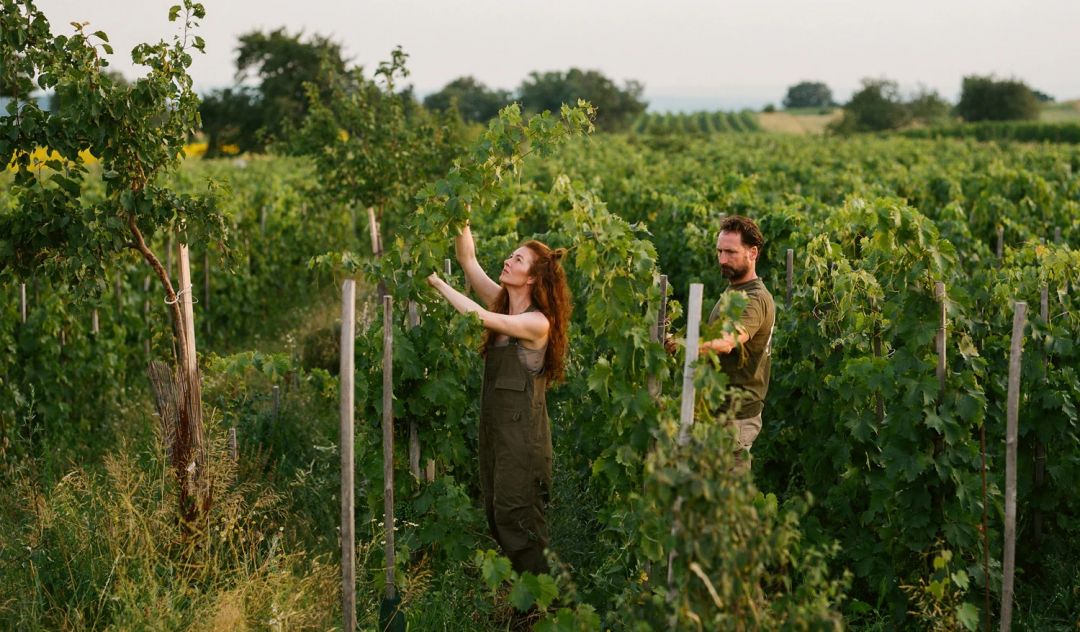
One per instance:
(480,282)
(530,327)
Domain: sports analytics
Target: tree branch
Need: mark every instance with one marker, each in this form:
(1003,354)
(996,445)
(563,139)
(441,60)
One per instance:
(174,304)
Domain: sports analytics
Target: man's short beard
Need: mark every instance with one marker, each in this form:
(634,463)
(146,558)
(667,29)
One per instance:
(730,272)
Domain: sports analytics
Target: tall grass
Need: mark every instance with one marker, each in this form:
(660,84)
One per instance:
(103,549)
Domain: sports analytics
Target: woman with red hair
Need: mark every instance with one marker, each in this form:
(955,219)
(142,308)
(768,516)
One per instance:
(526,319)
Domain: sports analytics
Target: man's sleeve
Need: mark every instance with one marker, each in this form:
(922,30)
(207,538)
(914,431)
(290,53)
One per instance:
(753,316)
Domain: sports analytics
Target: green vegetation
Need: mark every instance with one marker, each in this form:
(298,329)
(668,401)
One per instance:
(695,123)
(1019,131)
(865,510)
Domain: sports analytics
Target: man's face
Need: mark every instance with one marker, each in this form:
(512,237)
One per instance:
(735,258)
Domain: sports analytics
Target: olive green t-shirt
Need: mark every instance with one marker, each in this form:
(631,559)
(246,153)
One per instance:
(748,370)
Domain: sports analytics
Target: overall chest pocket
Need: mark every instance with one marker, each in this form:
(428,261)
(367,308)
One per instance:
(511,382)
(509,392)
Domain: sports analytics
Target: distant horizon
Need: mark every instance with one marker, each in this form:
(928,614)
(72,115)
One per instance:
(688,54)
(675,100)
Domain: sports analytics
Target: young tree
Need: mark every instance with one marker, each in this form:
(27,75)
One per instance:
(282,64)
(808,94)
(927,106)
(877,106)
(988,99)
(475,101)
(137,131)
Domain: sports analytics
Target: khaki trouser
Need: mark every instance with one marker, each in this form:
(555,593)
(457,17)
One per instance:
(746,430)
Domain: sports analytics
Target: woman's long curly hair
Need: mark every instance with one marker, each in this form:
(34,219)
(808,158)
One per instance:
(551,296)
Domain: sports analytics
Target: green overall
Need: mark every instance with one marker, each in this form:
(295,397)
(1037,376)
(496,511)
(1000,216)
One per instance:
(515,457)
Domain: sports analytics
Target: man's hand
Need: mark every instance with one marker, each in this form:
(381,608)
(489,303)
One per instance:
(433,279)
(671,345)
(718,345)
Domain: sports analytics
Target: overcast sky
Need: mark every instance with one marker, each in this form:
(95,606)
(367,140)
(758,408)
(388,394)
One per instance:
(690,54)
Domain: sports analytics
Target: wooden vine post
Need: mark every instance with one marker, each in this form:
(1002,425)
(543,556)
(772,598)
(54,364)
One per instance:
(1008,564)
(348,515)
(390,615)
(686,411)
(658,332)
(790,273)
(939,346)
(1040,448)
(693,331)
(22,303)
(414,430)
(233,454)
(119,292)
(190,430)
(206,288)
(875,343)
(146,316)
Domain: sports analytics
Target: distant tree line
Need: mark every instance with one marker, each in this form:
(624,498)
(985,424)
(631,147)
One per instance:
(879,105)
(616,107)
(274,70)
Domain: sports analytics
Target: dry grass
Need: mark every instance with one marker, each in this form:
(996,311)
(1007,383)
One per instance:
(787,123)
(1063,112)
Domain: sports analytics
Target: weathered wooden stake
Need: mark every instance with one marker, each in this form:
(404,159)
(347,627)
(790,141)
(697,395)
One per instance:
(94,328)
(879,399)
(1057,234)
(1040,448)
(985,530)
(206,289)
(233,454)
(939,294)
(414,431)
(276,393)
(686,412)
(146,314)
(373,229)
(790,273)
(119,291)
(22,302)
(446,268)
(348,515)
(1008,564)
(197,484)
(1000,242)
(191,363)
(388,442)
(658,332)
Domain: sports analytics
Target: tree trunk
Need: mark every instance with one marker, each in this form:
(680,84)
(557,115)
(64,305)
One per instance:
(179,394)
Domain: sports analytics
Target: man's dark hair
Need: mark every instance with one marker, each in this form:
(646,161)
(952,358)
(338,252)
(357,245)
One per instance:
(748,231)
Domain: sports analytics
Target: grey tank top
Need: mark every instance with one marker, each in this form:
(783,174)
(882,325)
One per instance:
(531,359)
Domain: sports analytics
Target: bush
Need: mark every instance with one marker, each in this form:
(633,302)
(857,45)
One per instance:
(877,106)
(808,94)
(987,99)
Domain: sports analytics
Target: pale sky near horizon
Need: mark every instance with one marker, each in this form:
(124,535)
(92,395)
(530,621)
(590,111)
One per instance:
(690,54)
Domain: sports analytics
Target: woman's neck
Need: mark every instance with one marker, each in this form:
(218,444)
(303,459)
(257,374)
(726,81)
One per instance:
(520,299)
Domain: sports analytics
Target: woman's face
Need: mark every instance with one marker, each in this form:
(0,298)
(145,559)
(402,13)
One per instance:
(516,268)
